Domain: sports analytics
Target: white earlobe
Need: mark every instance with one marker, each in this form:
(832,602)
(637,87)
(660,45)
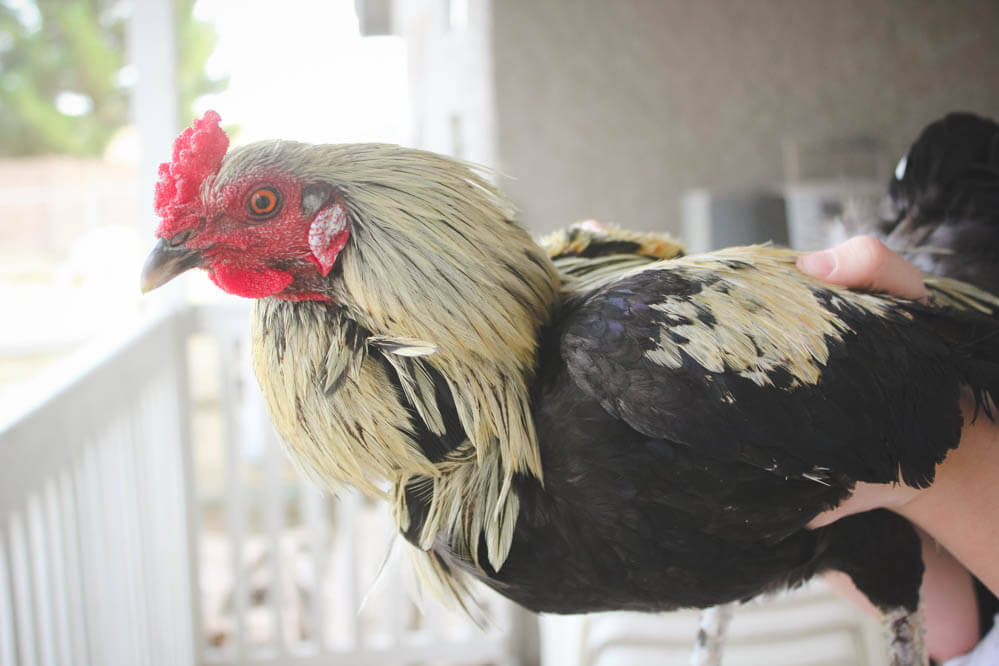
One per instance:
(328,235)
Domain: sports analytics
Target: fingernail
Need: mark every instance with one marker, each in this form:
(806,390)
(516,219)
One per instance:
(820,264)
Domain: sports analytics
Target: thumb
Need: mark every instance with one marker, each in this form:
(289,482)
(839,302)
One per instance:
(863,262)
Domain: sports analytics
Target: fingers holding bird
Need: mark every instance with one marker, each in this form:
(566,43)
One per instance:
(863,262)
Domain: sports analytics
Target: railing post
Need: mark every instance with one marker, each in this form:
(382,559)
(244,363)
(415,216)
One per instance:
(524,637)
(152,50)
(184,324)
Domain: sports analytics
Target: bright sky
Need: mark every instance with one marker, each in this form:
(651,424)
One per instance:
(299,69)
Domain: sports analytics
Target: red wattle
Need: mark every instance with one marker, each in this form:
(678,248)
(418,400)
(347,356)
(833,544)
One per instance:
(250,283)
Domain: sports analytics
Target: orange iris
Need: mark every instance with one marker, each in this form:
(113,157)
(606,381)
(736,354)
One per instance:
(263,202)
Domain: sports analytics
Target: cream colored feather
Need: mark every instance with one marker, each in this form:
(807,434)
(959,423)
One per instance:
(440,279)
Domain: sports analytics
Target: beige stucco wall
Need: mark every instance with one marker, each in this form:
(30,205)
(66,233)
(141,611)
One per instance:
(612,109)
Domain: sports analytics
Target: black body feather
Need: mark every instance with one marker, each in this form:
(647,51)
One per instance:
(941,212)
(684,486)
(689,488)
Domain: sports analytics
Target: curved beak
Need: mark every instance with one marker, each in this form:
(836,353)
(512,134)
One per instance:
(165,263)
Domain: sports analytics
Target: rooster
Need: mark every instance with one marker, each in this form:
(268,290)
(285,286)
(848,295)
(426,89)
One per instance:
(630,433)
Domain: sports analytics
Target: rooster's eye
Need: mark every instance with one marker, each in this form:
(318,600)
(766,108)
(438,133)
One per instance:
(264,203)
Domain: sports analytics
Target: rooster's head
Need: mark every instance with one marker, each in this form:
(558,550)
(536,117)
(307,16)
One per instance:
(414,253)
(414,243)
(259,228)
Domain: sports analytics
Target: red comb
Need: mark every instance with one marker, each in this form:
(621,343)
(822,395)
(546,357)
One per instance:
(197,154)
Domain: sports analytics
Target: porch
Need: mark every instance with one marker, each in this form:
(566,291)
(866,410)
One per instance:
(148,516)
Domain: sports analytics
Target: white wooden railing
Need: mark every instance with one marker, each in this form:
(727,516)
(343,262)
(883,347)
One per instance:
(147,517)
(93,544)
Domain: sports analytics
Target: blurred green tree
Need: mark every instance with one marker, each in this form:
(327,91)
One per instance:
(64,78)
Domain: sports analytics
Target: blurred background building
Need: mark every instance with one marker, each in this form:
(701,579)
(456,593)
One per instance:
(721,122)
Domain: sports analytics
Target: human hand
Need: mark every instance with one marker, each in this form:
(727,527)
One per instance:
(947,592)
(863,262)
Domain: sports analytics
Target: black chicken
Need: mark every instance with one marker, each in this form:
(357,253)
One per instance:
(942,207)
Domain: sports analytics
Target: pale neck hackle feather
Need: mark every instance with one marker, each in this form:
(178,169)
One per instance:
(436,270)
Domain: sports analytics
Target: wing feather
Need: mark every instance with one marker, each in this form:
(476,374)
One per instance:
(744,357)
